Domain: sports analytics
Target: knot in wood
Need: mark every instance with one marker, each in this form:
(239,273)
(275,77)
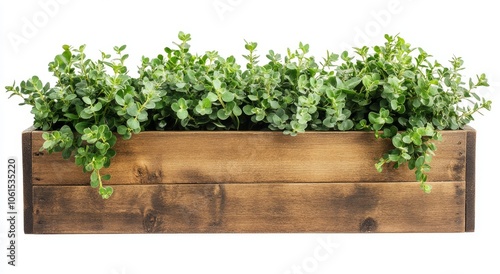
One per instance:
(149,222)
(368,225)
(145,176)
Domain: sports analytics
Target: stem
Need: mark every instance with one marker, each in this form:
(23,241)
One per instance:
(219,98)
(99,177)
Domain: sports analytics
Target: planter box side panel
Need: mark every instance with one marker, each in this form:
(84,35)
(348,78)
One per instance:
(250,182)
(196,208)
(250,157)
(470,197)
(27,152)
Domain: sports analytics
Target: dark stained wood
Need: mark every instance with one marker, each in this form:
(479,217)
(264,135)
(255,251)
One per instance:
(268,207)
(470,197)
(27,181)
(250,157)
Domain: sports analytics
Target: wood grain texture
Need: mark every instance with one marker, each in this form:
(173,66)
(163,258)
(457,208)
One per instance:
(249,157)
(27,180)
(470,197)
(190,182)
(276,207)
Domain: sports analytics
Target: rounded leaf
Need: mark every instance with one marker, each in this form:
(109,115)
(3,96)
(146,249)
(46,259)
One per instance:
(227,96)
(221,114)
(133,124)
(182,114)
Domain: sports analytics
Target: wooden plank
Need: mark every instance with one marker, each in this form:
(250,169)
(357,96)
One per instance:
(27,180)
(470,197)
(250,157)
(273,207)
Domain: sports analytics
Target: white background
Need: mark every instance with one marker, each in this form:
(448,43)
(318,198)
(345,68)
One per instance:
(32,32)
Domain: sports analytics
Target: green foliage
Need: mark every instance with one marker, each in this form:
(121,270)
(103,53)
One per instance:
(395,90)
(90,100)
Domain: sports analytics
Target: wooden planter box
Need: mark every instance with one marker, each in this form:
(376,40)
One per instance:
(250,182)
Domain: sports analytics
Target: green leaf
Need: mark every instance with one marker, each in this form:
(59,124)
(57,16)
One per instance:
(248,110)
(97,107)
(66,153)
(274,104)
(426,188)
(397,140)
(71,116)
(212,97)
(132,110)
(411,164)
(217,84)
(352,83)
(106,177)
(394,104)
(94,179)
(409,74)
(237,110)
(175,107)
(221,114)
(150,105)
(393,157)
(129,99)
(49,144)
(206,103)
(110,154)
(182,103)
(89,167)
(122,129)
(346,125)
(133,124)
(86,114)
(416,138)
(227,96)
(81,126)
(405,156)
(199,87)
(419,162)
(106,192)
(407,139)
(253,97)
(87,100)
(182,114)
(375,118)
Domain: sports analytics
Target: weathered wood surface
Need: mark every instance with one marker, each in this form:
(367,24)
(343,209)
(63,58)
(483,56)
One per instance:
(278,207)
(470,197)
(27,180)
(249,157)
(168,182)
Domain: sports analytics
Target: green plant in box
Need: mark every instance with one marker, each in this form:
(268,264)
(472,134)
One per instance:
(395,90)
